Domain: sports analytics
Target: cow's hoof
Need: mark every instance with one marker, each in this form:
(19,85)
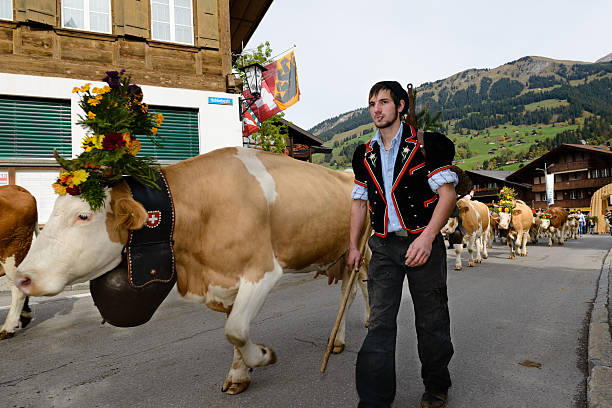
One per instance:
(511,257)
(367,323)
(471,264)
(6,335)
(458,268)
(478,261)
(233,388)
(561,243)
(25,319)
(485,256)
(338,348)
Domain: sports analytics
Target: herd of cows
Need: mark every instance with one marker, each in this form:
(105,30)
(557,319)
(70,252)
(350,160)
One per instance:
(474,226)
(234,266)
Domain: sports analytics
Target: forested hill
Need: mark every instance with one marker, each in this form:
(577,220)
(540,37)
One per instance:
(521,97)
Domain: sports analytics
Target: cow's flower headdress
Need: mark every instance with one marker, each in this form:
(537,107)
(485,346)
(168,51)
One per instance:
(115,114)
(506,197)
(545,216)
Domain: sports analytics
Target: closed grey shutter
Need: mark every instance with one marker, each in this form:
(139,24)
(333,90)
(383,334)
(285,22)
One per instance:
(180,133)
(32,127)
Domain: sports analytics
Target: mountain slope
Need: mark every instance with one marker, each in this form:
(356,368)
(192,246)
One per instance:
(524,97)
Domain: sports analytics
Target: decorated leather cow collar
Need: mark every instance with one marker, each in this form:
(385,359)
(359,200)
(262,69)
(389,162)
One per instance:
(149,250)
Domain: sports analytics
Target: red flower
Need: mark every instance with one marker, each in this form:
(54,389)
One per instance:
(113,141)
(76,190)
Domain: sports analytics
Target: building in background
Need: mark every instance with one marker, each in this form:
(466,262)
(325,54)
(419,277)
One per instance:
(579,171)
(487,184)
(179,51)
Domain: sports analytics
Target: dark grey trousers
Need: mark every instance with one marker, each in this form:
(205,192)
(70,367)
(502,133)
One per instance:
(375,373)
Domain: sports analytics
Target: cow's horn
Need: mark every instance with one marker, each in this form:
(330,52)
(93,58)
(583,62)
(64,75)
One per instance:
(63,162)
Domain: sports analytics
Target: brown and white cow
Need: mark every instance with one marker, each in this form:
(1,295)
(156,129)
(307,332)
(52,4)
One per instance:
(18,223)
(539,228)
(242,218)
(572,226)
(473,216)
(557,225)
(517,226)
(494,228)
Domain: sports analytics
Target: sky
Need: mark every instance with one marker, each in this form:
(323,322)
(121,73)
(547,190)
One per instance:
(343,47)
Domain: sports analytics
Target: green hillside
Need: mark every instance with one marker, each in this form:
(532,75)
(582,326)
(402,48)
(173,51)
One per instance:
(500,118)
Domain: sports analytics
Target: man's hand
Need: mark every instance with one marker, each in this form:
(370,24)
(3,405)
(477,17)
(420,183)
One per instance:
(418,252)
(354,259)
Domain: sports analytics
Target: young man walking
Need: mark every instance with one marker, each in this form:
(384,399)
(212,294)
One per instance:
(408,182)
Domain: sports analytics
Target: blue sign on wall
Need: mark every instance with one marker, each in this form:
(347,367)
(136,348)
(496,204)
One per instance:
(220,101)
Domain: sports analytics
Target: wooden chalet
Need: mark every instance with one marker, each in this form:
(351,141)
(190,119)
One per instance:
(580,170)
(487,184)
(301,144)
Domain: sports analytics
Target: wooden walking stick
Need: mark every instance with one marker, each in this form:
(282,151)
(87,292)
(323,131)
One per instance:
(349,285)
(411,114)
(332,338)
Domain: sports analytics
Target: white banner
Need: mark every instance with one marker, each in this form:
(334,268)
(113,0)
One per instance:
(4,178)
(550,189)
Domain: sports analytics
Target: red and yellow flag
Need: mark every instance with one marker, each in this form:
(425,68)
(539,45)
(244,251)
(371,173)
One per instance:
(279,88)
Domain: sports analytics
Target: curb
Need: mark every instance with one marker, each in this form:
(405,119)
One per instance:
(599,381)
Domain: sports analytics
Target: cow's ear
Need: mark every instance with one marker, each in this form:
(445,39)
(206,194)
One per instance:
(129,213)
(463,210)
(517,212)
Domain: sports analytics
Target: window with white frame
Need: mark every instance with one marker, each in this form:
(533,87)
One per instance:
(172,20)
(88,15)
(6,9)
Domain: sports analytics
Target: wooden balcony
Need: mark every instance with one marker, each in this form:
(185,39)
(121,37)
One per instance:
(575,165)
(574,184)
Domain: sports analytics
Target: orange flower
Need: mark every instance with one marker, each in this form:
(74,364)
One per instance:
(154,131)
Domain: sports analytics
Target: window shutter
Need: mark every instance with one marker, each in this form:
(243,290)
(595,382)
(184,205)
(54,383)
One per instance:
(208,23)
(32,128)
(132,18)
(180,132)
(40,11)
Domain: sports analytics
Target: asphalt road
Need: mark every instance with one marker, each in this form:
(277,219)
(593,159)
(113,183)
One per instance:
(503,312)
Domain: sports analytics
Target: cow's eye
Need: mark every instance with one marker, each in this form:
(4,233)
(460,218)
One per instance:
(83,217)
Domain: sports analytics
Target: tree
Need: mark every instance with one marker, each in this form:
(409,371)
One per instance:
(272,136)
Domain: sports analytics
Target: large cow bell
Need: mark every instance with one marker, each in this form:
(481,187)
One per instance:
(123,305)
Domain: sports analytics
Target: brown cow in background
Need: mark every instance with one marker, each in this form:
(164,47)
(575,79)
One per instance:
(557,225)
(18,222)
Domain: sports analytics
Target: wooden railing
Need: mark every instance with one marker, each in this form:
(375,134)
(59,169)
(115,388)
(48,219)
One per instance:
(574,184)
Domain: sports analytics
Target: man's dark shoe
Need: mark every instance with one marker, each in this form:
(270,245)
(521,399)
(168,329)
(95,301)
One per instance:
(434,400)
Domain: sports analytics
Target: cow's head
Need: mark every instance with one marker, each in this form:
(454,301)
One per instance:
(452,223)
(505,218)
(545,223)
(78,244)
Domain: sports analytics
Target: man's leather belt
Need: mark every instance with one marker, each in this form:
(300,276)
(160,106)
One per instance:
(400,233)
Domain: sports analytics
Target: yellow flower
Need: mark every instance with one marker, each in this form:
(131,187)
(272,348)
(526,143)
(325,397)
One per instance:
(85,87)
(91,115)
(133,147)
(93,101)
(159,118)
(79,176)
(76,89)
(144,107)
(99,97)
(506,209)
(95,90)
(105,89)
(92,142)
(59,189)
(154,131)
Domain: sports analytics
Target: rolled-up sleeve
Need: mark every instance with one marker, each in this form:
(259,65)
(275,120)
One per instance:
(359,192)
(442,177)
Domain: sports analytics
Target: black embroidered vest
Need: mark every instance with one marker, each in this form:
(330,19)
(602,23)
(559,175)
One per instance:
(412,197)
